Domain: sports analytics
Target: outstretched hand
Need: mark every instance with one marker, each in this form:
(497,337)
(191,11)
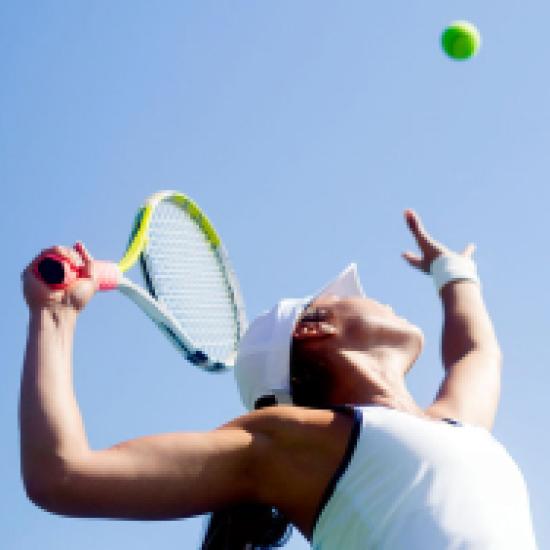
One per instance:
(39,295)
(429,247)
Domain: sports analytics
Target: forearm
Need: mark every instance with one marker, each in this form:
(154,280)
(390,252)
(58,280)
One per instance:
(51,425)
(467,326)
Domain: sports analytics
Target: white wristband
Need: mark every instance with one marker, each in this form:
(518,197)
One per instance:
(453,267)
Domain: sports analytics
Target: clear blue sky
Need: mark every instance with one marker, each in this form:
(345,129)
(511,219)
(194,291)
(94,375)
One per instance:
(303,129)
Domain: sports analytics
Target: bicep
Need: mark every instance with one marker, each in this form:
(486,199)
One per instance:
(471,389)
(165,476)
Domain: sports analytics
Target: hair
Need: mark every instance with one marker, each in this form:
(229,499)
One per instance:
(310,381)
(246,526)
(252,526)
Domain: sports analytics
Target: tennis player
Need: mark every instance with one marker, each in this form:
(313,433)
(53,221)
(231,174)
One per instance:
(333,443)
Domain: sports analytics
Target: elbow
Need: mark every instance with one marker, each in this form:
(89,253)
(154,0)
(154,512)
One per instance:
(40,495)
(49,488)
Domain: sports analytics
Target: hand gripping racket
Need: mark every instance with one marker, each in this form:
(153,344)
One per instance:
(193,295)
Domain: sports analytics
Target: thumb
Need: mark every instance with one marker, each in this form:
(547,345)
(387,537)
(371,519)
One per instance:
(413,260)
(86,258)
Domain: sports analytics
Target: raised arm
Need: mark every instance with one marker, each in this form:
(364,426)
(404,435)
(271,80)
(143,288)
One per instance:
(157,477)
(470,350)
(471,356)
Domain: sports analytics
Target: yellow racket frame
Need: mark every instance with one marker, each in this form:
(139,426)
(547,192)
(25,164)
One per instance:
(138,239)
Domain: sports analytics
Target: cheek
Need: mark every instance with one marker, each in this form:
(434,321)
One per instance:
(370,327)
(354,326)
(364,328)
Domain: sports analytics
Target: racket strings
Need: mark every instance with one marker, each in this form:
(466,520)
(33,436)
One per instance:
(189,277)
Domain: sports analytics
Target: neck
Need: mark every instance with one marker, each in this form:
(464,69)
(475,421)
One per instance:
(379,380)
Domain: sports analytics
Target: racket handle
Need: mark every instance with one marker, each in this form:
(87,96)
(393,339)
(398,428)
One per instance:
(107,275)
(55,270)
(58,272)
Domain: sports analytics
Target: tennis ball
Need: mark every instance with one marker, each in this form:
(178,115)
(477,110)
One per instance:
(460,40)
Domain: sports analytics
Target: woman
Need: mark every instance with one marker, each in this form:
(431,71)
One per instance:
(347,455)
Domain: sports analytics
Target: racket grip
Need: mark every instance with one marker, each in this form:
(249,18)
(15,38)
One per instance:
(58,272)
(107,275)
(55,270)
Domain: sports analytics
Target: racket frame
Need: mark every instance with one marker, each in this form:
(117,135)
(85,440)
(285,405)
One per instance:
(149,302)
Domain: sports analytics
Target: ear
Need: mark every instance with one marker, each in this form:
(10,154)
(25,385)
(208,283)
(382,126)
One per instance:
(309,330)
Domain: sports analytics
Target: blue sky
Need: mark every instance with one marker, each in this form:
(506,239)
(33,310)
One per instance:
(303,129)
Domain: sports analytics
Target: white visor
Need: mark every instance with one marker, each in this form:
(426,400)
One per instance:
(262,367)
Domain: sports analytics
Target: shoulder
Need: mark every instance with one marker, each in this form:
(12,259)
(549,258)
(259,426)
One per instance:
(283,423)
(283,433)
(294,453)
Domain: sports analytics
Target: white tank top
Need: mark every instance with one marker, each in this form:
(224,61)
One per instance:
(408,483)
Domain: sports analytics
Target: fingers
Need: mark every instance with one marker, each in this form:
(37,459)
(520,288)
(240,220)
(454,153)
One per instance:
(78,258)
(65,252)
(424,241)
(413,260)
(82,250)
(71,291)
(415,225)
(79,252)
(429,247)
(86,259)
(78,255)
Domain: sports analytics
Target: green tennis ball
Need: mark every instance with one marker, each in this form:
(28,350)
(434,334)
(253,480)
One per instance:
(461,40)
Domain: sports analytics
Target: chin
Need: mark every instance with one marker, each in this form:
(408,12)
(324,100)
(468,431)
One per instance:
(412,337)
(417,341)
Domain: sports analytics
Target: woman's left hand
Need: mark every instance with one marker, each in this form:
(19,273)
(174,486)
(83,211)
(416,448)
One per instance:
(429,247)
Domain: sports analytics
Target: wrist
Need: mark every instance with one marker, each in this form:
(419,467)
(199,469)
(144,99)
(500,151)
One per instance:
(448,268)
(457,290)
(54,315)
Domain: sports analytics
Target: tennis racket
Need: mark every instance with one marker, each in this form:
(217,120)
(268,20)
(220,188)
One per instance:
(192,292)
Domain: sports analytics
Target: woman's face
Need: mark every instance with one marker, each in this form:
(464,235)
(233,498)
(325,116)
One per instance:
(358,323)
(334,335)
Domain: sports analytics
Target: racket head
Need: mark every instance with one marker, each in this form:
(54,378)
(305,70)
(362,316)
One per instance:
(138,236)
(187,270)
